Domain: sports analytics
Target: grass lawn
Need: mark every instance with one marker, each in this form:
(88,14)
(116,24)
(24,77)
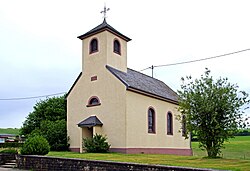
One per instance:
(172,160)
(236,156)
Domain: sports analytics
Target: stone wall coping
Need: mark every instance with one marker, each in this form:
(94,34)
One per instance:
(121,163)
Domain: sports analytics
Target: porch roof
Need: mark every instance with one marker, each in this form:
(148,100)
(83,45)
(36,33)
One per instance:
(90,122)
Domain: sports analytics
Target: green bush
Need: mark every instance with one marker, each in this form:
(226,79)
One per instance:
(9,151)
(36,145)
(97,144)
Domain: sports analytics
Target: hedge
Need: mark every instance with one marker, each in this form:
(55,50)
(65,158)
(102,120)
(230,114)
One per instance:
(11,144)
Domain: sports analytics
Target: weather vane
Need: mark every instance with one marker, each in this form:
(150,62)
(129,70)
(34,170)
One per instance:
(105,11)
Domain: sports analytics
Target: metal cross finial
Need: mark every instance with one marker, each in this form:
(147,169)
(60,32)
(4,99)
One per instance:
(105,11)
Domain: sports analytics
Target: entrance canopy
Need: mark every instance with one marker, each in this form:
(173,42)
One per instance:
(90,122)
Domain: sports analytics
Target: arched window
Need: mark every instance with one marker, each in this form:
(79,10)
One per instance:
(117,47)
(184,126)
(93,101)
(93,47)
(169,123)
(151,120)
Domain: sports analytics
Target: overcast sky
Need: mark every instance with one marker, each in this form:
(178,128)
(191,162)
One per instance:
(41,55)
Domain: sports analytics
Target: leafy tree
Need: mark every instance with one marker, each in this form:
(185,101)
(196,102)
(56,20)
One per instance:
(97,144)
(51,109)
(35,145)
(213,110)
(56,134)
(49,120)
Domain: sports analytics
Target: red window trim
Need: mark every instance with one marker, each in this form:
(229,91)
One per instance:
(119,53)
(170,132)
(91,52)
(154,121)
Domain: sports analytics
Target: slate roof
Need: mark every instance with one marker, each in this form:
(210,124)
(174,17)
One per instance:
(90,121)
(140,82)
(102,27)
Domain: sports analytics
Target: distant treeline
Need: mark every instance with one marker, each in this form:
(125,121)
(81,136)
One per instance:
(245,132)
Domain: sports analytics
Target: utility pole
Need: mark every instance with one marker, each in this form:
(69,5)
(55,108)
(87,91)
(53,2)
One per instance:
(152,67)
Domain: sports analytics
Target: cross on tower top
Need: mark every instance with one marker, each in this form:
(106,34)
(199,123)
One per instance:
(105,11)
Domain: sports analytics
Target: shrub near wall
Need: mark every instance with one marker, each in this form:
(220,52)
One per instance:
(97,144)
(36,145)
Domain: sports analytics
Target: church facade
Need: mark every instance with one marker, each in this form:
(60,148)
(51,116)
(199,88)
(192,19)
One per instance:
(134,111)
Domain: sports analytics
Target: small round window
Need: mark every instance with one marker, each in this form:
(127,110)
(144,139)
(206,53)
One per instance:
(93,101)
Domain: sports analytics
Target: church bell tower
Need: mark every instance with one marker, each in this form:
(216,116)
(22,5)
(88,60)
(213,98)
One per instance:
(103,45)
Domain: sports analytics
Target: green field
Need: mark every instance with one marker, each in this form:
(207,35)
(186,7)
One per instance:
(236,148)
(9,131)
(233,157)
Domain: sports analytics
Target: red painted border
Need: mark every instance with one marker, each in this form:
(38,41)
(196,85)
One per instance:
(176,151)
(74,150)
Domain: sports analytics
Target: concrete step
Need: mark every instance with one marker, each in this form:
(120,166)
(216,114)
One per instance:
(7,166)
(10,164)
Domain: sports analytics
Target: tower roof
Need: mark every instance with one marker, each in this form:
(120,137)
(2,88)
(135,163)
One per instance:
(102,27)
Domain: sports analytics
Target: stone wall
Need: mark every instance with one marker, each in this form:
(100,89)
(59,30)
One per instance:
(44,163)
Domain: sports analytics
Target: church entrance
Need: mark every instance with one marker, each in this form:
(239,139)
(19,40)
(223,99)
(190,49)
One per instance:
(87,132)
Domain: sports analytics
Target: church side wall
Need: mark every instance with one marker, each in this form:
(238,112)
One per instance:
(138,138)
